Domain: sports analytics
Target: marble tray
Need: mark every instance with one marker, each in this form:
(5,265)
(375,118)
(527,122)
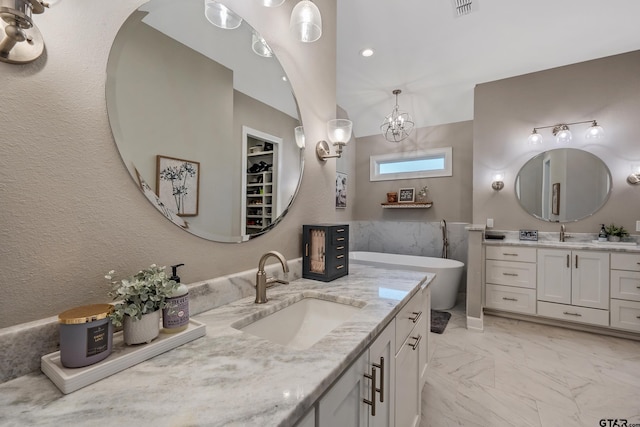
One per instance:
(122,357)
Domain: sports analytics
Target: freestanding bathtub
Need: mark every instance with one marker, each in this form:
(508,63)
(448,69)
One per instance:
(446,284)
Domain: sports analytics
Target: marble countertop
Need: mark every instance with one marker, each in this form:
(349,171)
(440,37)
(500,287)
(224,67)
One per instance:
(227,377)
(578,245)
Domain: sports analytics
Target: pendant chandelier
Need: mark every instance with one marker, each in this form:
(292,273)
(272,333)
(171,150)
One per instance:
(397,125)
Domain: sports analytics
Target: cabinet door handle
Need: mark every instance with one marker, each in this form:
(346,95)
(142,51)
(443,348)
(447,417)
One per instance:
(568,261)
(416,316)
(572,314)
(340,256)
(340,239)
(339,248)
(510,274)
(381,389)
(340,267)
(306,250)
(508,254)
(414,346)
(372,402)
(509,299)
(576,261)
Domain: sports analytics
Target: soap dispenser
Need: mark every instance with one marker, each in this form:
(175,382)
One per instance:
(175,316)
(602,236)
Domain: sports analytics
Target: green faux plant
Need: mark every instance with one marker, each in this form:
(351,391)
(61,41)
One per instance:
(613,230)
(142,293)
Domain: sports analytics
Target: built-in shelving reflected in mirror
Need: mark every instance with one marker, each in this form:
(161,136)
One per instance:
(184,93)
(563,185)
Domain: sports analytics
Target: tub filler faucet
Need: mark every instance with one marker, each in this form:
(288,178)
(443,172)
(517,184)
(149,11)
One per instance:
(262,281)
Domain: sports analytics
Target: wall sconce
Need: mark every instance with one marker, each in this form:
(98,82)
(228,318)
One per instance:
(563,134)
(306,21)
(20,39)
(339,131)
(299,133)
(498,181)
(634,177)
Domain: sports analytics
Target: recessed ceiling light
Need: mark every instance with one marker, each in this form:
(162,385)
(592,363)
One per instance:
(285,79)
(367,52)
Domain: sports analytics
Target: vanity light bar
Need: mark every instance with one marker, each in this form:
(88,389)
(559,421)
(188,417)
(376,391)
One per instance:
(563,134)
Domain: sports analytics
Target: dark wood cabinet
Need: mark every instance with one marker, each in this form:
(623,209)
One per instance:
(325,251)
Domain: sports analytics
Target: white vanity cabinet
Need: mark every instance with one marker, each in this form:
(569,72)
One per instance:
(574,285)
(410,343)
(344,404)
(424,344)
(625,291)
(510,277)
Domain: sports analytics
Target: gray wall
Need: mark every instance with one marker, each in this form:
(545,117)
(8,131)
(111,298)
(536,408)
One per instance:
(606,89)
(451,196)
(70,211)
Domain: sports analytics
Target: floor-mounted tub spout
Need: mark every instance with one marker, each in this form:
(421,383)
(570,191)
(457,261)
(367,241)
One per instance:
(445,240)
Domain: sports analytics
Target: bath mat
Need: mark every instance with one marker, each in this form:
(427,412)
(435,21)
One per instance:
(439,320)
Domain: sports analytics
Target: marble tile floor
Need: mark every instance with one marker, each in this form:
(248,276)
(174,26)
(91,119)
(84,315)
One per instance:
(519,373)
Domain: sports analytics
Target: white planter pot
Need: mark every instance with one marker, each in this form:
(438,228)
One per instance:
(141,331)
(613,238)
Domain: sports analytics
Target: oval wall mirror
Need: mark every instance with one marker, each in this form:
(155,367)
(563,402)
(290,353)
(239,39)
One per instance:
(563,185)
(204,121)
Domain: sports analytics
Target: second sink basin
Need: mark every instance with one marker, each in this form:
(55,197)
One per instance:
(301,323)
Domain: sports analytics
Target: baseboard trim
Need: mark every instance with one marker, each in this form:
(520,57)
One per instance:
(475,323)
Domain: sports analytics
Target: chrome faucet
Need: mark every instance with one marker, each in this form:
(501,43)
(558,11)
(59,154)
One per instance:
(262,281)
(563,234)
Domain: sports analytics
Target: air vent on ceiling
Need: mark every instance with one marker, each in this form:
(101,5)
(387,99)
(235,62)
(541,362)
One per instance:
(464,7)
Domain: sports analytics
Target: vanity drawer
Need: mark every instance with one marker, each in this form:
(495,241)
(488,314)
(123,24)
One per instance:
(521,274)
(511,253)
(625,315)
(407,318)
(629,262)
(625,285)
(510,298)
(574,313)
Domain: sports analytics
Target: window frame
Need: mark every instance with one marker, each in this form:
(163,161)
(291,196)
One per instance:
(376,160)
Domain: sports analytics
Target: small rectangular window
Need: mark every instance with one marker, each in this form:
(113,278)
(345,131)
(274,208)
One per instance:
(421,164)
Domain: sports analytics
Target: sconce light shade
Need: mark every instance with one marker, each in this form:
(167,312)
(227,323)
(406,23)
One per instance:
(272,3)
(306,21)
(339,131)
(498,181)
(259,46)
(535,138)
(299,133)
(220,15)
(595,131)
(563,134)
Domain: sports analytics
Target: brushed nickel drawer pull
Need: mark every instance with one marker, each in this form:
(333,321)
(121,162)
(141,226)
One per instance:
(509,299)
(372,401)
(381,389)
(339,248)
(416,316)
(340,267)
(508,254)
(340,239)
(510,274)
(414,346)
(340,230)
(572,314)
(340,256)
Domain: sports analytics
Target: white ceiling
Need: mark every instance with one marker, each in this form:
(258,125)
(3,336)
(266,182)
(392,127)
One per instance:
(436,59)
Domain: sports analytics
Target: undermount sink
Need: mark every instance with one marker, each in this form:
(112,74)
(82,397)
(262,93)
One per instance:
(300,323)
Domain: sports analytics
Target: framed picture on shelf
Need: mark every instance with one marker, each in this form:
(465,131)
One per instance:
(341,190)
(555,199)
(406,195)
(178,184)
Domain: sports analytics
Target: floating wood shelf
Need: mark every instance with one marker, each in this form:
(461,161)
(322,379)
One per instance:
(407,205)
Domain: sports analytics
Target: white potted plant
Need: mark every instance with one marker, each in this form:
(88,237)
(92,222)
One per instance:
(141,299)
(615,233)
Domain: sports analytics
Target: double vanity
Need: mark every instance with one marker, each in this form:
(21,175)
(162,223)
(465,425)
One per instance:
(594,286)
(246,371)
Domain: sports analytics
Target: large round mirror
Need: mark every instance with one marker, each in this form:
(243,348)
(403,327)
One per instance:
(204,119)
(563,185)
